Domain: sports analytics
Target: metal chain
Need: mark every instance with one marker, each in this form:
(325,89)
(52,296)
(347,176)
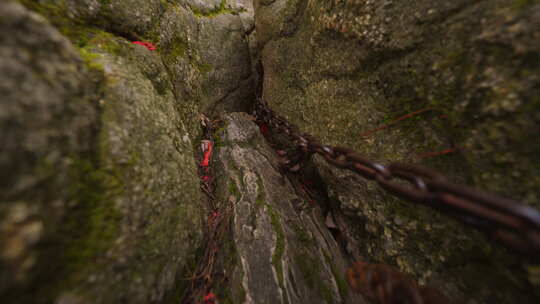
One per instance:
(513,224)
(386,285)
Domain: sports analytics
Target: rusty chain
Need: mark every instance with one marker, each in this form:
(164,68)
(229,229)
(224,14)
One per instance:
(386,285)
(513,224)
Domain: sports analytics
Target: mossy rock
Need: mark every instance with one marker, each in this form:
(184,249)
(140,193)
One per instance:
(281,252)
(340,70)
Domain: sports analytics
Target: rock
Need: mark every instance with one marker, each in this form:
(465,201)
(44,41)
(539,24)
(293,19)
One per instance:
(102,204)
(99,195)
(132,19)
(208,57)
(227,79)
(203,6)
(282,255)
(338,69)
(143,141)
(45,86)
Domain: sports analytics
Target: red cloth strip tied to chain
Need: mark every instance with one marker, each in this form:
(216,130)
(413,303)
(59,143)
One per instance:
(207,147)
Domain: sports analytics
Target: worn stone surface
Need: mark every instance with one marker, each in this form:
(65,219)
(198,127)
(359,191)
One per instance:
(45,87)
(100,136)
(224,48)
(340,68)
(203,6)
(99,199)
(100,194)
(210,51)
(283,254)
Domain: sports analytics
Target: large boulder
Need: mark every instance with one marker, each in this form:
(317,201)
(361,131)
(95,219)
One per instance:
(211,50)
(339,69)
(282,251)
(100,199)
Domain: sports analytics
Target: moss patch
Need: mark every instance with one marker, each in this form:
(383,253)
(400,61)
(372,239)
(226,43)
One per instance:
(90,59)
(222,9)
(521,4)
(94,220)
(77,246)
(80,32)
(280,243)
(311,269)
(177,48)
(342,285)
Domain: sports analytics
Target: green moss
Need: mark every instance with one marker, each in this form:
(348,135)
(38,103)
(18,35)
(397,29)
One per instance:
(90,60)
(521,4)
(95,219)
(177,48)
(106,42)
(311,271)
(343,287)
(56,13)
(222,9)
(233,189)
(228,261)
(81,33)
(46,8)
(220,133)
(280,243)
(79,243)
(204,68)
(302,236)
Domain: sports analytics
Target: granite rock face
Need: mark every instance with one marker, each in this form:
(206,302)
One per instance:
(210,51)
(45,88)
(283,254)
(338,69)
(99,189)
(100,194)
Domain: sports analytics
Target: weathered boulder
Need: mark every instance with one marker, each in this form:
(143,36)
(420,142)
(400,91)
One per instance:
(132,19)
(223,46)
(99,193)
(338,69)
(282,253)
(211,51)
(100,198)
(204,6)
(48,123)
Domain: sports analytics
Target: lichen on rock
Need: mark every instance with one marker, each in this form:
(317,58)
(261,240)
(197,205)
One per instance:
(282,252)
(339,69)
(100,197)
(105,194)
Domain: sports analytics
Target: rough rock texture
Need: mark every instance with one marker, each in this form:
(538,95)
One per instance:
(340,68)
(45,87)
(210,51)
(283,254)
(100,199)
(99,193)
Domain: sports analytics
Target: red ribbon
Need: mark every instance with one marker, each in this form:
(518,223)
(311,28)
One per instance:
(209,298)
(207,155)
(264,129)
(147,45)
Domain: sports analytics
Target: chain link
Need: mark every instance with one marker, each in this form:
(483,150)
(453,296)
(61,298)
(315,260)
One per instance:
(386,285)
(513,224)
